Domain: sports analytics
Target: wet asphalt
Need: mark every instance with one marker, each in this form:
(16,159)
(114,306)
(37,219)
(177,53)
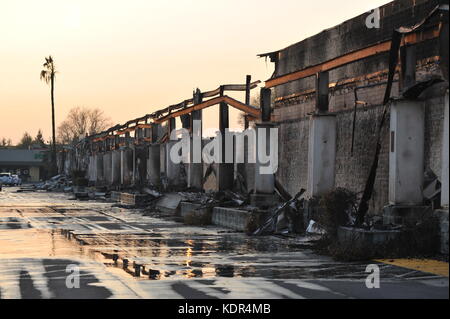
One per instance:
(55,247)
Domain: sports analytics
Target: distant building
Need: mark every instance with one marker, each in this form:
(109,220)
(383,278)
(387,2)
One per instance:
(28,164)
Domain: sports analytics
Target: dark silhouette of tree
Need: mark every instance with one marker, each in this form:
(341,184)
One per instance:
(5,142)
(39,139)
(81,121)
(26,141)
(48,76)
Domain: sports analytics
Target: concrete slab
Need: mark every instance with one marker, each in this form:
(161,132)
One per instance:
(169,203)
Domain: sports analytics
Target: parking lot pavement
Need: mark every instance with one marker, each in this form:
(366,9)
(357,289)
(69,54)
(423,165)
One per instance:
(54,247)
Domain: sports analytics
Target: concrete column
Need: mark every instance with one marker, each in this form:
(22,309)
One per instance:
(92,169)
(321,154)
(126,166)
(172,169)
(406,157)
(195,167)
(140,161)
(115,167)
(99,164)
(241,168)
(264,193)
(153,165)
(264,182)
(134,158)
(445,151)
(107,167)
(225,170)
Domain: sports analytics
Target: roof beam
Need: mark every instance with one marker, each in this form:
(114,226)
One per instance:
(255,112)
(354,56)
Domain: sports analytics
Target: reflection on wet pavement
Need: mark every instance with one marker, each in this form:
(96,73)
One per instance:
(123,254)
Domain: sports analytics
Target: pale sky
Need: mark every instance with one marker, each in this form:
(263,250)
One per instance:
(130,58)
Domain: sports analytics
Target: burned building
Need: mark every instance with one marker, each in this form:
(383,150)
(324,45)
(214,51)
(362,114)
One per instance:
(333,90)
(361,106)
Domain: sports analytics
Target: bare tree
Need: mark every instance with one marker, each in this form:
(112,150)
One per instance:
(5,142)
(81,121)
(25,142)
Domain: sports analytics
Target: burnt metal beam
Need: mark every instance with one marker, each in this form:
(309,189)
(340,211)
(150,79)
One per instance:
(322,85)
(253,111)
(410,39)
(247,97)
(408,60)
(265,100)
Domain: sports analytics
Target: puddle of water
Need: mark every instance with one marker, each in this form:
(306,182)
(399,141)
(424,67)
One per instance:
(148,248)
(40,243)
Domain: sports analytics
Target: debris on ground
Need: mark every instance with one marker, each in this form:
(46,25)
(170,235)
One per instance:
(169,202)
(314,228)
(275,223)
(56,183)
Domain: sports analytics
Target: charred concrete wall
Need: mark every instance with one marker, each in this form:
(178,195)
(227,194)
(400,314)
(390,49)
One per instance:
(295,101)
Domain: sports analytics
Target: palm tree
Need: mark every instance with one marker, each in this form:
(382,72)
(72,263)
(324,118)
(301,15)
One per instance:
(48,76)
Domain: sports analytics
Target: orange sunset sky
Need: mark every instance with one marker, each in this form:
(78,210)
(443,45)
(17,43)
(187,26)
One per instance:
(130,58)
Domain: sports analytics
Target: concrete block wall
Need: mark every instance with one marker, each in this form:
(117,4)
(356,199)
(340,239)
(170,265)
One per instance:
(187,208)
(434,125)
(230,217)
(352,170)
(293,155)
